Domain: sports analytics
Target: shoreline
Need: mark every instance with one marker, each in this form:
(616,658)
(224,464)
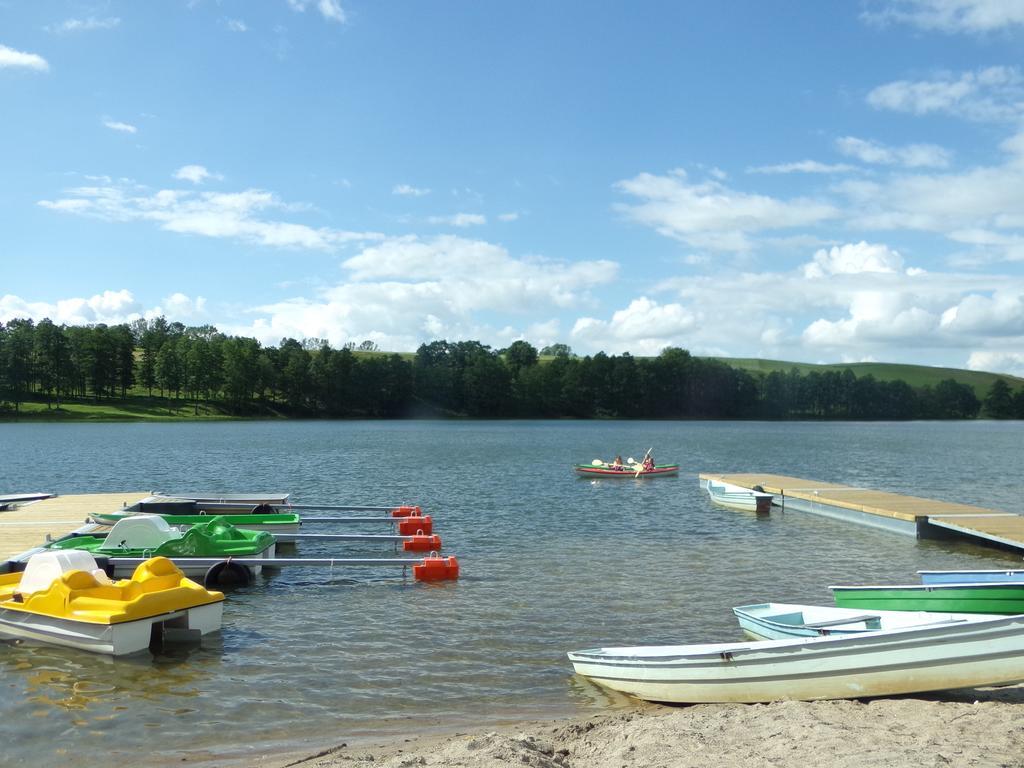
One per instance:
(973,727)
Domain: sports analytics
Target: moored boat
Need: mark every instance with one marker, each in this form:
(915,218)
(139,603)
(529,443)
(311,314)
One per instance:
(62,598)
(777,621)
(883,663)
(738,497)
(970,577)
(150,535)
(1002,598)
(276,523)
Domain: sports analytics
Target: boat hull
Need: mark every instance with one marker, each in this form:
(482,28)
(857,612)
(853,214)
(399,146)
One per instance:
(780,621)
(119,639)
(988,652)
(586,470)
(1002,598)
(970,577)
(736,497)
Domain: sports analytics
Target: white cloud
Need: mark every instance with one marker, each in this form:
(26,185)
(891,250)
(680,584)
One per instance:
(180,307)
(116,125)
(803,166)
(999,314)
(910,156)
(513,216)
(233,215)
(991,94)
(409,191)
(408,290)
(86,25)
(109,307)
(978,199)
(236,25)
(329,9)
(998,361)
(460,219)
(710,215)
(645,327)
(12,58)
(197,174)
(974,16)
(853,259)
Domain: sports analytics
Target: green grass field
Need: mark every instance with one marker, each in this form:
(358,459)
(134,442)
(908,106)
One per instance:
(133,409)
(915,375)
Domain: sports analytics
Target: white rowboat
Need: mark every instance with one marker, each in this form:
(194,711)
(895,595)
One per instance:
(886,663)
(778,621)
(737,497)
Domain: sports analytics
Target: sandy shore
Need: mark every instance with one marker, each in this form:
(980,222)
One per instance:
(983,727)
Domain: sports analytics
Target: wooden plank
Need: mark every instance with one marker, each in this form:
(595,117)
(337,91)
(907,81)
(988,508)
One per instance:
(27,525)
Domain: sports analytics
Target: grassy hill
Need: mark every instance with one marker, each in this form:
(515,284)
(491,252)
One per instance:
(914,375)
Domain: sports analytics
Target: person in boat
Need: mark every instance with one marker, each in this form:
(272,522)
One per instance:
(617,463)
(648,464)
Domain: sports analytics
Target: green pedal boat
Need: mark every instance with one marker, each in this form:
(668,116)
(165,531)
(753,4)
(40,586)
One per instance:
(1003,598)
(151,536)
(274,522)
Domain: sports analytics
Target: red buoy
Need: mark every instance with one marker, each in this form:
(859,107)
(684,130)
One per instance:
(406,512)
(436,568)
(422,543)
(412,526)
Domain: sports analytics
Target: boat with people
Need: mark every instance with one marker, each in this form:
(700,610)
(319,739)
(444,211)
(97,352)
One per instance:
(151,535)
(978,597)
(931,657)
(63,598)
(738,497)
(777,621)
(628,468)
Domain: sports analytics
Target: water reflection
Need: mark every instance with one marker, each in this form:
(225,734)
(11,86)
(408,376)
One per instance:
(550,565)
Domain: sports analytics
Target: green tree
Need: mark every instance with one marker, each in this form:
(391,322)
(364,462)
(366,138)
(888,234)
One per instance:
(998,402)
(956,401)
(52,359)
(17,361)
(170,367)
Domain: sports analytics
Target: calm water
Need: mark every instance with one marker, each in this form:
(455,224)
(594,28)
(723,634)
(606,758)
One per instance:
(310,658)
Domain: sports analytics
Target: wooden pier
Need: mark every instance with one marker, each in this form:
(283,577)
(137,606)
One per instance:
(924,518)
(27,525)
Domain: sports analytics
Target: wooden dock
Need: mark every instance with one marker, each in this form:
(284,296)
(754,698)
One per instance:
(924,518)
(27,525)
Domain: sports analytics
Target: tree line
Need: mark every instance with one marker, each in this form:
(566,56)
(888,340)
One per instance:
(202,366)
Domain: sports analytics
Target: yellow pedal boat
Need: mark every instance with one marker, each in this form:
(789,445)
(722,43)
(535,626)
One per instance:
(62,598)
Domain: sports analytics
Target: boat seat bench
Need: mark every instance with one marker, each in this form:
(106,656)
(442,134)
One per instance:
(838,622)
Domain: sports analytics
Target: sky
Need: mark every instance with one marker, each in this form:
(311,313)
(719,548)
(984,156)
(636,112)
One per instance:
(807,181)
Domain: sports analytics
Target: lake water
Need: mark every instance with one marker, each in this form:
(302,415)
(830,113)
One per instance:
(310,658)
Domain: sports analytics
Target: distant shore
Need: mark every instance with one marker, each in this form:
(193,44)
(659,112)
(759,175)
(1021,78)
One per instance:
(977,727)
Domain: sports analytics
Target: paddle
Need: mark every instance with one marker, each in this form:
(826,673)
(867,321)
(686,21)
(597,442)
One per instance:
(641,463)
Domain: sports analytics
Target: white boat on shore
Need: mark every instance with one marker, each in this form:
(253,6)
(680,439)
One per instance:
(737,497)
(779,621)
(881,663)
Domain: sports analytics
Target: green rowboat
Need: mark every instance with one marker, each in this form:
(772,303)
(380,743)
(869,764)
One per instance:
(1004,598)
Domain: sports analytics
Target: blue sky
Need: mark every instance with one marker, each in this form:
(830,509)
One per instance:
(819,182)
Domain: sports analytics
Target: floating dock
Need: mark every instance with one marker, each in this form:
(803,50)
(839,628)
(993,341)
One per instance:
(29,524)
(923,518)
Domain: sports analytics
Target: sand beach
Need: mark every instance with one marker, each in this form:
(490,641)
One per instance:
(977,727)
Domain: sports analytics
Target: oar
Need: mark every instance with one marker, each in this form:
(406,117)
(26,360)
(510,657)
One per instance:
(642,463)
